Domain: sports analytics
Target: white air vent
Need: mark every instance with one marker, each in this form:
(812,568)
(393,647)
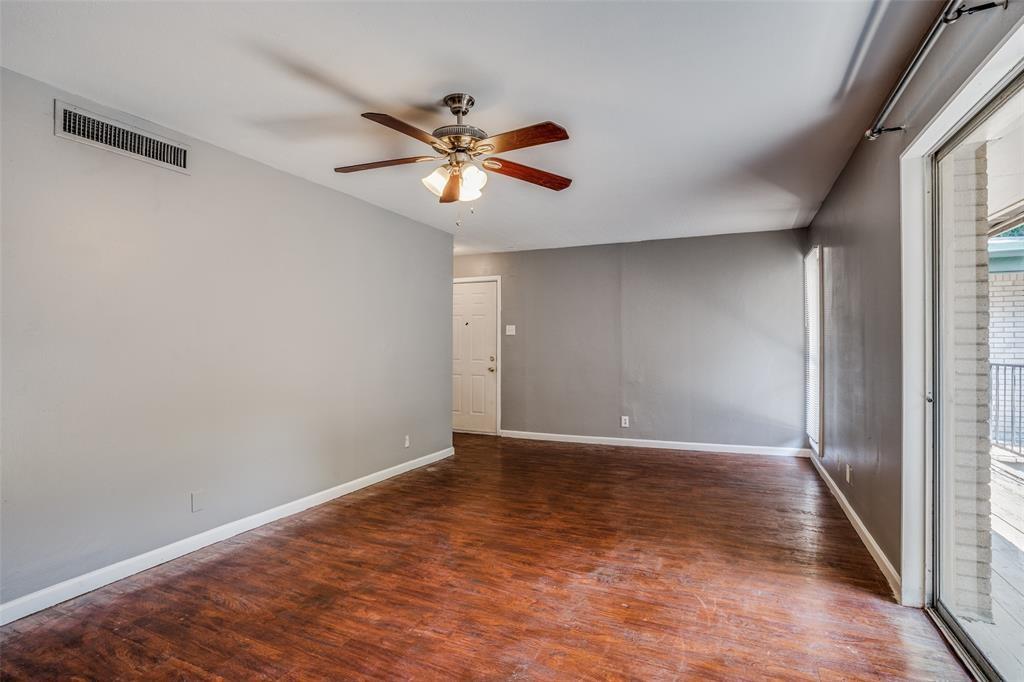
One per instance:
(75,123)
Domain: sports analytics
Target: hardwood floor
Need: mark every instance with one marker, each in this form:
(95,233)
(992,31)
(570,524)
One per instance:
(514,560)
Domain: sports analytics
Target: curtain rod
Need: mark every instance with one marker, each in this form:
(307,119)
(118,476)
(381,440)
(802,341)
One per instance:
(953,10)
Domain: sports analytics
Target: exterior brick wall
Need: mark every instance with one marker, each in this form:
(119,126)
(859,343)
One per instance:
(970,383)
(1006,318)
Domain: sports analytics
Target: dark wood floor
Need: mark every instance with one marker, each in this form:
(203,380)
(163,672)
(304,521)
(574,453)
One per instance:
(514,559)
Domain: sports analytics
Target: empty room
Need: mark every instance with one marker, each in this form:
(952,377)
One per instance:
(548,340)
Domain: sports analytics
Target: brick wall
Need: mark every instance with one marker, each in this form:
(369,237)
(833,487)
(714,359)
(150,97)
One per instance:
(969,411)
(1006,317)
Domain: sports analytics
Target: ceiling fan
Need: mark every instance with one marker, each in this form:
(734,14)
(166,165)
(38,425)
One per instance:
(460,145)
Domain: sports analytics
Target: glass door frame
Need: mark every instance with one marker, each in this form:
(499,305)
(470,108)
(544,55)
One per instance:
(935,606)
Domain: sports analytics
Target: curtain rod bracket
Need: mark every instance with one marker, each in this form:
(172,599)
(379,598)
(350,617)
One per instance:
(875,133)
(964,10)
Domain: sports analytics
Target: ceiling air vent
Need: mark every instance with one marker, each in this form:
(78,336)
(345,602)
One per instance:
(75,123)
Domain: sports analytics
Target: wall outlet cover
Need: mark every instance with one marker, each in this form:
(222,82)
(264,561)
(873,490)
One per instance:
(196,500)
(510,330)
(406,440)
(624,422)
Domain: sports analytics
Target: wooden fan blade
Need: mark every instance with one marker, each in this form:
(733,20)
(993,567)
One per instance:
(382,164)
(404,128)
(526,173)
(452,188)
(542,133)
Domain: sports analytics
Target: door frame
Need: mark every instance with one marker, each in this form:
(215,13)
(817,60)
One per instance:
(949,622)
(497,343)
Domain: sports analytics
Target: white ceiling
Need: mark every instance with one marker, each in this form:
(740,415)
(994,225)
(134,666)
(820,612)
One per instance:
(686,118)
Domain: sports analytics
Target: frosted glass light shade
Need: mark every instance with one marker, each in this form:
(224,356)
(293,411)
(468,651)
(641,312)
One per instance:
(473,179)
(435,182)
(469,194)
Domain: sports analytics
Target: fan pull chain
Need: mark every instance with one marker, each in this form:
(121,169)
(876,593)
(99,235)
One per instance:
(459,215)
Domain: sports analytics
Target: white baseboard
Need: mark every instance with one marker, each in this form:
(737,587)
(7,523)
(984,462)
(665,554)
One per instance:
(662,444)
(73,587)
(890,573)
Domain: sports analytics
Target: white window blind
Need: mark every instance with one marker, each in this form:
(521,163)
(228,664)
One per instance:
(812,339)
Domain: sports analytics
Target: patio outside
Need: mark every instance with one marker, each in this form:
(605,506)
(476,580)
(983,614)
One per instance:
(1002,634)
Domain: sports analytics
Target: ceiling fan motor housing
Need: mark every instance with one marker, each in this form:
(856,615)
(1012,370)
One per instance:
(459,136)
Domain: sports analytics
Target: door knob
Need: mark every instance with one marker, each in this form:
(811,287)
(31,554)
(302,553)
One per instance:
(490,369)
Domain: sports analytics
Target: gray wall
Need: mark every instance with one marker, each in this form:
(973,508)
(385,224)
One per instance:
(859,229)
(239,330)
(696,339)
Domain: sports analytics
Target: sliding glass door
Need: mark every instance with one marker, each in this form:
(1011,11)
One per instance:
(979,379)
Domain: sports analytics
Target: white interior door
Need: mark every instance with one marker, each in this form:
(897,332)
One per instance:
(474,357)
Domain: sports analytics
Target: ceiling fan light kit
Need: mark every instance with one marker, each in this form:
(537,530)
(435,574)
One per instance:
(460,145)
(473,180)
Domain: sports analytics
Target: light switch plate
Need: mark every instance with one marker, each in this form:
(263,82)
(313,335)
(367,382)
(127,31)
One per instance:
(510,330)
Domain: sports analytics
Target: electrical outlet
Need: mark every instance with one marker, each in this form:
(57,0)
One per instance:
(624,422)
(510,330)
(406,440)
(196,500)
(849,474)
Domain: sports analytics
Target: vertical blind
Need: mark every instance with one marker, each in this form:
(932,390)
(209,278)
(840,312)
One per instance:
(812,345)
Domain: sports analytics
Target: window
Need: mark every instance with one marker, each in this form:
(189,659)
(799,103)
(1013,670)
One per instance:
(812,345)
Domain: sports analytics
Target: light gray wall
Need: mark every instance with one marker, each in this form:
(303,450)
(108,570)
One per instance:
(858,227)
(697,339)
(239,330)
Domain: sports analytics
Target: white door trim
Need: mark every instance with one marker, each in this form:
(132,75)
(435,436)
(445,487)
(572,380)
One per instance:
(497,337)
(916,270)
